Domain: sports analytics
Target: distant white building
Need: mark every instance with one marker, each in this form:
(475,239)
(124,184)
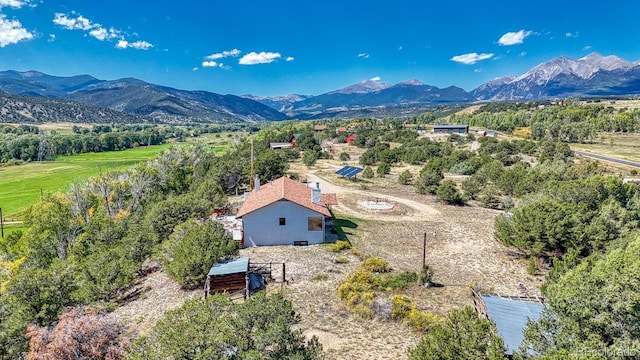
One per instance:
(286,212)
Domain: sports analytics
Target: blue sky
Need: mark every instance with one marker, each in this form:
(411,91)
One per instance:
(280,47)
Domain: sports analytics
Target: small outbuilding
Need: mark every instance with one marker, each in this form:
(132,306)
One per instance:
(231,276)
(510,314)
(280,145)
(450,129)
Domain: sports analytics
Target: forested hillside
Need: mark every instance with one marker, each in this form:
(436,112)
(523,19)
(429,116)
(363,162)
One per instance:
(19,109)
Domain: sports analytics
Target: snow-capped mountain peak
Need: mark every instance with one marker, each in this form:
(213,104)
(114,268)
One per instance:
(609,63)
(413,82)
(583,68)
(563,76)
(363,87)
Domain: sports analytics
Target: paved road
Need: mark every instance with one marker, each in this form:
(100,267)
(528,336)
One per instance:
(608,159)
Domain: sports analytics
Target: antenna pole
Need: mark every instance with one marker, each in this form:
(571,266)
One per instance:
(251,174)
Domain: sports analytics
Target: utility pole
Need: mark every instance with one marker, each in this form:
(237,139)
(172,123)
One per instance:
(424,249)
(251,174)
(1,223)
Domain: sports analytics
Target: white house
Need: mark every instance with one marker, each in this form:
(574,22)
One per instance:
(286,212)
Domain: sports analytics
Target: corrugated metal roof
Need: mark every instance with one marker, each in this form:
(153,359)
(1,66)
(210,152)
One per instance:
(227,267)
(510,317)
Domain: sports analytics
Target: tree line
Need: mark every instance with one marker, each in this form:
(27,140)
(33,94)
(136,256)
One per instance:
(566,122)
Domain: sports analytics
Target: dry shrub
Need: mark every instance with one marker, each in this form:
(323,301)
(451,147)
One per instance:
(81,333)
(376,265)
(401,305)
(357,253)
(422,320)
(381,307)
(340,245)
(363,311)
(359,288)
(342,259)
(319,277)
(404,309)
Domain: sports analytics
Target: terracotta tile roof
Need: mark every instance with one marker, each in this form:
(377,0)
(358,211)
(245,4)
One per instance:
(329,199)
(319,127)
(285,189)
(341,129)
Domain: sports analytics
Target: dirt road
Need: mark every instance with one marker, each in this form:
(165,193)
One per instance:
(419,211)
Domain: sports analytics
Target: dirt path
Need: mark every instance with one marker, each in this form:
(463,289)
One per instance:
(420,211)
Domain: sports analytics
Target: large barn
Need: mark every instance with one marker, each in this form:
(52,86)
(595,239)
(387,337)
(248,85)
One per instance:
(286,212)
(450,129)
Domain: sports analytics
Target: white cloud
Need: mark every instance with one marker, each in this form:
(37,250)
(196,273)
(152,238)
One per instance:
(254,58)
(400,48)
(139,45)
(587,48)
(471,58)
(514,38)
(289,58)
(570,34)
(102,34)
(52,37)
(195,69)
(477,70)
(363,55)
(122,44)
(375,78)
(224,54)
(12,32)
(12,3)
(210,63)
(77,23)
(97,31)
(523,53)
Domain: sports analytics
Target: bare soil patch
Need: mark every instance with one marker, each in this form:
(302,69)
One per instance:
(150,297)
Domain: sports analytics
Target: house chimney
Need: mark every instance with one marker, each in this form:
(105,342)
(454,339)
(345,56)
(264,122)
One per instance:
(316,195)
(256,183)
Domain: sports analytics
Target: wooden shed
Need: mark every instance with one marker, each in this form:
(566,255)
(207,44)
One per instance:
(230,276)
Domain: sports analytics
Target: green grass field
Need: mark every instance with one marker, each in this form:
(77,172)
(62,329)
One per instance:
(21,186)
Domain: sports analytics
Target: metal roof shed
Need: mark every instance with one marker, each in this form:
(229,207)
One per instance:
(228,276)
(510,314)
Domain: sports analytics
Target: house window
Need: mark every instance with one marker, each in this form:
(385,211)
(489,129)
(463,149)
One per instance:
(283,221)
(315,223)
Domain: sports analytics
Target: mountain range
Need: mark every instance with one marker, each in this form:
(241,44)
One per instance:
(136,97)
(591,76)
